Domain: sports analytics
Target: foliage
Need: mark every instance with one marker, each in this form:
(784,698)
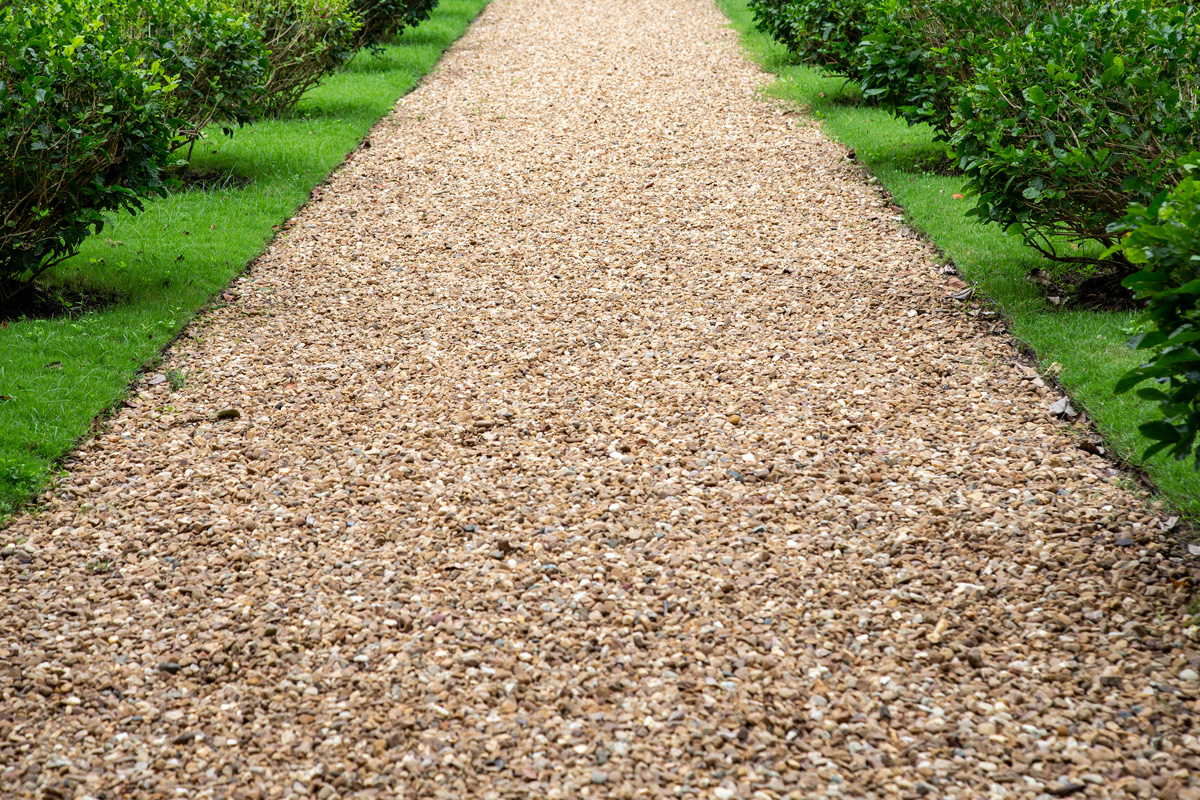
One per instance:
(772,18)
(217,53)
(1068,124)
(306,40)
(826,33)
(383,20)
(1164,237)
(85,132)
(919,55)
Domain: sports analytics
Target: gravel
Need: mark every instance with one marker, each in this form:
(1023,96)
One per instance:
(596,432)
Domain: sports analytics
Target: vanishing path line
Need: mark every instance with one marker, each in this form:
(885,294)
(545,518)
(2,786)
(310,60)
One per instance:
(600,435)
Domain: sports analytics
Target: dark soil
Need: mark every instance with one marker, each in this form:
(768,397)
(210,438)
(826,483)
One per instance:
(49,302)
(1104,293)
(210,180)
(941,165)
(1098,292)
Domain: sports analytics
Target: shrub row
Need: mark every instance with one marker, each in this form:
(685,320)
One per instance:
(1164,238)
(1060,112)
(86,130)
(383,20)
(215,51)
(95,95)
(1072,122)
(917,55)
(1062,128)
(307,39)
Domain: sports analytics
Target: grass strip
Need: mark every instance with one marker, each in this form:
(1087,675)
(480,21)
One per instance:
(163,265)
(1089,345)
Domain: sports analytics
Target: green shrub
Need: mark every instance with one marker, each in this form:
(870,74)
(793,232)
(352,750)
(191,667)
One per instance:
(215,50)
(827,32)
(1164,237)
(1067,125)
(306,40)
(84,130)
(383,20)
(771,17)
(918,57)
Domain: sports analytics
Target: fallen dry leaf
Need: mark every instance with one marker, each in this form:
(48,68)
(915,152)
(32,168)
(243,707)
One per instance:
(1063,409)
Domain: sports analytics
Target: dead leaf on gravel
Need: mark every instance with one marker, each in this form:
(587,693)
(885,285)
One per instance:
(964,295)
(156,380)
(955,284)
(229,413)
(1063,409)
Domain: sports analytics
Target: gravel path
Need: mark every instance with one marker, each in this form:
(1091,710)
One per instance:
(601,435)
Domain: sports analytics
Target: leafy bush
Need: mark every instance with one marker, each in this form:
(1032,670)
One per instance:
(918,57)
(772,18)
(1067,125)
(826,33)
(383,20)
(215,50)
(85,132)
(1165,238)
(306,40)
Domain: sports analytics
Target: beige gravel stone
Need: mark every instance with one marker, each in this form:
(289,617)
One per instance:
(600,433)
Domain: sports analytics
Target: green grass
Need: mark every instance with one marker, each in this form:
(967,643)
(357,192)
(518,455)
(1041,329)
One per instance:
(1088,344)
(166,263)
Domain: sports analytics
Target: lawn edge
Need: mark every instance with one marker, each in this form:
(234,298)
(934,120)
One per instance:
(1188,524)
(103,417)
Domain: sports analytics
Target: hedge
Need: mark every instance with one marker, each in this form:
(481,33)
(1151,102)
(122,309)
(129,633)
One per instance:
(85,127)
(306,39)
(383,20)
(826,33)
(1164,238)
(215,50)
(919,54)
(1065,126)
(772,18)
